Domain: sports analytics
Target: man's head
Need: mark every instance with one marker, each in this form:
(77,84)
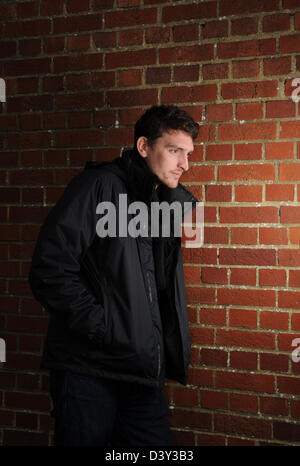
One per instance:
(164,136)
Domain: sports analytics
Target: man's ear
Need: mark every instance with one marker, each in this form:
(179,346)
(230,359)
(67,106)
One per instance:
(142,146)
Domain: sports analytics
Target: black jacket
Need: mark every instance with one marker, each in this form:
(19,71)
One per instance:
(108,316)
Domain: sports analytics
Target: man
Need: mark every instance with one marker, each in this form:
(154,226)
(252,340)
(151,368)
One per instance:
(118,323)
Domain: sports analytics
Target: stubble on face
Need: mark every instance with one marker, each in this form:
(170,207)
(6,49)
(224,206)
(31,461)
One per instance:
(168,156)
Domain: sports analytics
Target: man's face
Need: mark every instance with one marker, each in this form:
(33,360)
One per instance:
(167,158)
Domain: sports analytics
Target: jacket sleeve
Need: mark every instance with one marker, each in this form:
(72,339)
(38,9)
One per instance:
(64,238)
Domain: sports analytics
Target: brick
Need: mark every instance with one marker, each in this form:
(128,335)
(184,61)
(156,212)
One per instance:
(249,90)
(9,49)
(77,62)
(219,152)
(243,360)
(7,11)
(130,37)
(185,396)
(249,111)
(277,22)
(294,278)
(189,11)
(37,27)
(191,419)
(132,17)
(243,235)
(274,406)
(244,26)
(77,81)
(128,3)
(78,43)
(245,338)
(28,67)
(196,173)
(32,47)
(130,77)
(215,71)
(289,299)
(132,58)
(286,431)
(200,294)
(22,437)
(277,66)
(263,383)
(294,235)
(279,150)
(295,409)
(275,320)
(247,48)
(191,53)
(105,39)
(201,377)
(214,235)
(227,7)
(213,357)
(279,192)
(185,73)
(273,236)
(103,79)
(131,98)
(247,256)
(243,318)
(241,297)
(272,277)
(79,138)
(189,94)
(214,400)
(290,43)
(248,193)
(290,214)
(241,402)
(119,136)
(51,7)
(247,131)
(28,140)
(246,172)
(75,6)
(280,109)
(213,275)
(80,100)
(245,68)
(159,35)
(289,172)
(289,258)
(219,112)
(192,274)
(252,151)
(215,29)
(243,276)
(218,193)
(77,23)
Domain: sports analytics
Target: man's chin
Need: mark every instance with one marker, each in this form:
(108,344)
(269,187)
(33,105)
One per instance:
(172,184)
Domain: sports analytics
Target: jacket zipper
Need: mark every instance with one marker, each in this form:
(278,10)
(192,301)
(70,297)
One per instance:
(158,345)
(149,287)
(159,360)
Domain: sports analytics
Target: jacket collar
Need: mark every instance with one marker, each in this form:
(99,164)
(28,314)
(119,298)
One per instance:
(142,182)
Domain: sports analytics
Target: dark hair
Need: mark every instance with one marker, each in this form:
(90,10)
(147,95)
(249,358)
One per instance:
(162,118)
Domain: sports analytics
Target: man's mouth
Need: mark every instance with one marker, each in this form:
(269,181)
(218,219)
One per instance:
(177,174)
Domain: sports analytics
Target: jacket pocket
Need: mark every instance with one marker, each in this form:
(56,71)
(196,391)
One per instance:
(99,288)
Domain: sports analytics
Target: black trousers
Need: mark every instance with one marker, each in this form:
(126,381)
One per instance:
(90,411)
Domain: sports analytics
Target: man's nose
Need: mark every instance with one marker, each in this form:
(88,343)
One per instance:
(184,163)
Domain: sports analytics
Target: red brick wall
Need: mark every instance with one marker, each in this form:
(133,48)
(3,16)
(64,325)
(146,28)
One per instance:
(78,73)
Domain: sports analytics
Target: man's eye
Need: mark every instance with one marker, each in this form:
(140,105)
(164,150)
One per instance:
(174,151)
